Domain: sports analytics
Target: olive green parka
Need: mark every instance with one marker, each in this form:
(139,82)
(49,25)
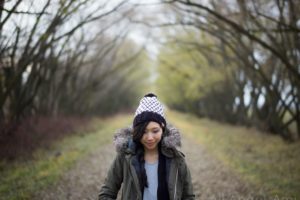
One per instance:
(124,169)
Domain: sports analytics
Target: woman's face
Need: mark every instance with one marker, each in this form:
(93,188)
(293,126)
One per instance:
(152,136)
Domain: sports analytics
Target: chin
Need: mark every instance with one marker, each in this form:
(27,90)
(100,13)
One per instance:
(151,147)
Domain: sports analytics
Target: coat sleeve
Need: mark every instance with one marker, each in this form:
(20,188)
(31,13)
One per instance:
(187,192)
(113,180)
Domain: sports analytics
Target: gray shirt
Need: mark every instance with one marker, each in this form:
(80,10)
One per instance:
(150,193)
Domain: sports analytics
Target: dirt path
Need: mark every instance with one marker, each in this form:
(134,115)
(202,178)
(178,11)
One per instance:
(211,179)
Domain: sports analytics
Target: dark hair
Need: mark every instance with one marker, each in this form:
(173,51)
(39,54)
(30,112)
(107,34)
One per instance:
(138,132)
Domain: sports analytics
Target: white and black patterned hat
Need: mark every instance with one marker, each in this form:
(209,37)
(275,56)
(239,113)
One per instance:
(150,109)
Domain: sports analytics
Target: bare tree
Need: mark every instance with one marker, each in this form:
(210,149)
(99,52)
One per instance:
(264,37)
(48,62)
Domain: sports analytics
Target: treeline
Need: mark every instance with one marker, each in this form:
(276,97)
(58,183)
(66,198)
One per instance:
(235,61)
(66,57)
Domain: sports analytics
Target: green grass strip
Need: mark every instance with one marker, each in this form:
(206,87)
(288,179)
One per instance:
(263,160)
(21,179)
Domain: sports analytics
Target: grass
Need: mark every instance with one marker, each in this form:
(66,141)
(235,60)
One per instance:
(263,160)
(21,179)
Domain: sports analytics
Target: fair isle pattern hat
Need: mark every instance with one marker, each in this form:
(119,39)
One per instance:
(150,109)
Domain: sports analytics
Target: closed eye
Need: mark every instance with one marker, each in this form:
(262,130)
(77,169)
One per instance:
(156,130)
(153,131)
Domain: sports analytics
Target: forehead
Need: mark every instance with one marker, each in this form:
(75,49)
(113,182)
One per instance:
(152,125)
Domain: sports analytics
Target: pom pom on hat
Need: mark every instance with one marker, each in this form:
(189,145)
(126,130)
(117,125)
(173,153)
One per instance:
(150,95)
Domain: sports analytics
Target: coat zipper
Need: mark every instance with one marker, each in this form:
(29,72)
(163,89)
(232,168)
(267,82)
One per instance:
(175,191)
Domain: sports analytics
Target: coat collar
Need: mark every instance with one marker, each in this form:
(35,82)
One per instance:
(171,141)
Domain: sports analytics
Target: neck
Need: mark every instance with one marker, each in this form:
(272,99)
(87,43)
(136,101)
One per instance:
(151,156)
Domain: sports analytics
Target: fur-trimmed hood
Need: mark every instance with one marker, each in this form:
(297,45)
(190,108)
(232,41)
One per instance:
(123,140)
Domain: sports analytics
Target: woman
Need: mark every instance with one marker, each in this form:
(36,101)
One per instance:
(148,162)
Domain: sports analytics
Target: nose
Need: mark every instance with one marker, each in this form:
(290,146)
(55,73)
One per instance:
(149,136)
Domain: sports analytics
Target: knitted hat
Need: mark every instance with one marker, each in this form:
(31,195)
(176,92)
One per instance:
(150,109)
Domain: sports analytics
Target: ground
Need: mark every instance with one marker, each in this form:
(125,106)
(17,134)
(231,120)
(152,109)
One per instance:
(211,179)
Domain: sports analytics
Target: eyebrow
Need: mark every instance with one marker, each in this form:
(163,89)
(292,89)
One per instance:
(152,128)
